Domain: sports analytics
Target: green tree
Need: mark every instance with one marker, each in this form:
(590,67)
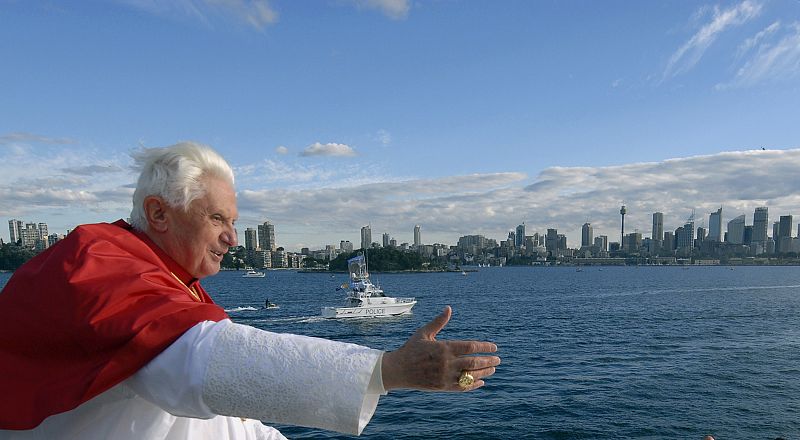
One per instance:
(13,256)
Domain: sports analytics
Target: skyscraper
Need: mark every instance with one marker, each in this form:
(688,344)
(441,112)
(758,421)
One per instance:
(783,243)
(658,227)
(366,237)
(736,230)
(519,238)
(15,230)
(715,225)
(417,236)
(760,224)
(785,228)
(386,239)
(266,236)
(551,241)
(685,236)
(587,235)
(250,239)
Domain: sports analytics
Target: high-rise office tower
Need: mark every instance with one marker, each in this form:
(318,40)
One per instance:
(519,238)
(669,240)
(784,241)
(760,224)
(658,227)
(386,239)
(601,241)
(15,230)
(685,236)
(417,236)
(587,235)
(251,239)
(715,225)
(366,237)
(551,241)
(785,226)
(266,236)
(736,230)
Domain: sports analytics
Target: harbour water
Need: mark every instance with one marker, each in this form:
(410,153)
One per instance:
(601,353)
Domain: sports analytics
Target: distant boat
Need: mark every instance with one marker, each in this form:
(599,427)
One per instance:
(364,299)
(253,274)
(463,273)
(269,305)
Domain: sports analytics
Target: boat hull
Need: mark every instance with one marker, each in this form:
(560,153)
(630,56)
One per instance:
(374,310)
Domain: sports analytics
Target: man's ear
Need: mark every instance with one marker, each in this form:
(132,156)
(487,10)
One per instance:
(155,211)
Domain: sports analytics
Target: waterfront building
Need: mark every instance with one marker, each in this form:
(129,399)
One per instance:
(601,241)
(587,235)
(15,231)
(551,241)
(417,236)
(386,239)
(776,232)
(658,226)
(669,241)
(701,236)
(262,259)
(366,237)
(266,236)
(715,225)
(784,241)
(251,239)
(280,259)
(346,246)
(760,223)
(519,237)
(562,242)
(684,237)
(736,230)
(632,242)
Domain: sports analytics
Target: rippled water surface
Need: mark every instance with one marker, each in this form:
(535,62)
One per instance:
(601,353)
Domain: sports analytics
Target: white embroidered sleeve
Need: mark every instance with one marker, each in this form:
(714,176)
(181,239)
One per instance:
(292,379)
(173,380)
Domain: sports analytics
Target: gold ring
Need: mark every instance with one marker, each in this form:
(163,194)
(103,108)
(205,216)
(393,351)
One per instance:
(465,380)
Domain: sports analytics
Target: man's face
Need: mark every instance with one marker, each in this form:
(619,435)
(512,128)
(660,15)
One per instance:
(200,237)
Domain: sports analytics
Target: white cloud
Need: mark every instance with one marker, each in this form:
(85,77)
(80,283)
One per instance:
(281,150)
(394,9)
(751,42)
(255,13)
(30,138)
(688,55)
(772,61)
(384,137)
(559,197)
(329,149)
(319,204)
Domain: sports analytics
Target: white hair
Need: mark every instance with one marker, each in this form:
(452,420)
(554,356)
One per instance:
(176,174)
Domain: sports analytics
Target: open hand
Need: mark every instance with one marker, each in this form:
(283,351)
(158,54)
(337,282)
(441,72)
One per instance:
(424,363)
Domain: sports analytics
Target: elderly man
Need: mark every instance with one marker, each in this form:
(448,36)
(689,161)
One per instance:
(109,334)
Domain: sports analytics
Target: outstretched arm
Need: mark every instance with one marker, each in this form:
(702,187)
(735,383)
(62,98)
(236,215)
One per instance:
(424,363)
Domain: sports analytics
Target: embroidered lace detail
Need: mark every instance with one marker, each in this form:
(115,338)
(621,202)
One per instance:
(290,379)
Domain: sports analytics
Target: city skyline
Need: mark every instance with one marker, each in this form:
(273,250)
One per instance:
(762,229)
(464,117)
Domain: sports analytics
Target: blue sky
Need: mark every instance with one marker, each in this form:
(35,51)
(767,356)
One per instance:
(465,117)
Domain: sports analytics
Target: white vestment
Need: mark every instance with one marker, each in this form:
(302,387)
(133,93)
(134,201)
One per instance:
(216,374)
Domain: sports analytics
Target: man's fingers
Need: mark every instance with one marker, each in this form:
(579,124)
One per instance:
(431,329)
(471,347)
